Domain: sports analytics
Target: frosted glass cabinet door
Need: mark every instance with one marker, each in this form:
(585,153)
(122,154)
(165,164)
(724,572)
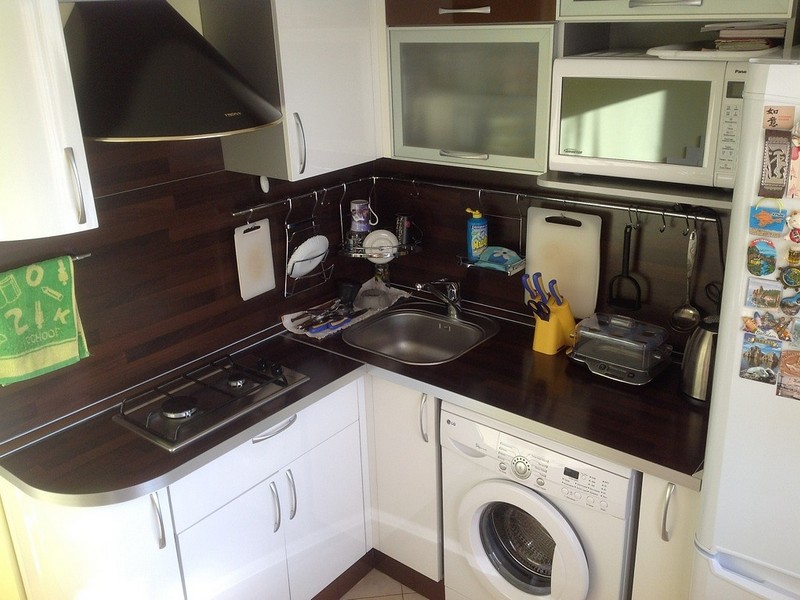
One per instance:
(477,96)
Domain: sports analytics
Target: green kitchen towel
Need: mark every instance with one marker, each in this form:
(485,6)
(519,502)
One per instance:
(40,329)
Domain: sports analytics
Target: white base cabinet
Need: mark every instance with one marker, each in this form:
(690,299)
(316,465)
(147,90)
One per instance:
(124,551)
(665,543)
(283,514)
(407,474)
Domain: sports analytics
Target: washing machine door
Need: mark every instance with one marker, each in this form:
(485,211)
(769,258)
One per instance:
(519,545)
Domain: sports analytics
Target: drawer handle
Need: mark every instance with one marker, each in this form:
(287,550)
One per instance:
(73,163)
(162,536)
(279,428)
(666,534)
(293,490)
(482,10)
(422,402)
(276,502)
(464,155)
(640,3)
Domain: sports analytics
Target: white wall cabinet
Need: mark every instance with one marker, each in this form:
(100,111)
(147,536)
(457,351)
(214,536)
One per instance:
(407,474)
(289,498)
(472,96)
(44,176)
(665,542)
(124,550)
(317,60)
(674,9)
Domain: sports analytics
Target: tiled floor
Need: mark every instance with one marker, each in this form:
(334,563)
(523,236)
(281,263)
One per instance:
(379,585)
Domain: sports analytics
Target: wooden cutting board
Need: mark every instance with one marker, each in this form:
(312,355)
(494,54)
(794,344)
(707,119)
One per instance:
(254,258)
(566,246)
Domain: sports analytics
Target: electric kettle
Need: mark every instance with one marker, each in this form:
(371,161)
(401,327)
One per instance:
(697,367)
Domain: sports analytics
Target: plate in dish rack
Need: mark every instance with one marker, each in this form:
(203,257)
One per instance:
(382,245)
(307,256)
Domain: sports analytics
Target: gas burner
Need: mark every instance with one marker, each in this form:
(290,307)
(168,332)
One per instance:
(236,379)
(179,407)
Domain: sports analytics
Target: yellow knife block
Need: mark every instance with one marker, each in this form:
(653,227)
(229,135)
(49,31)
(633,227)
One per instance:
(555,334)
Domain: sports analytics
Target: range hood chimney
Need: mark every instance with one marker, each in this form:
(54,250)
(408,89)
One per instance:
(142,73)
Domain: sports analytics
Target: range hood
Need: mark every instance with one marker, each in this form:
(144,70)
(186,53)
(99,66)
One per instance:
(143,73)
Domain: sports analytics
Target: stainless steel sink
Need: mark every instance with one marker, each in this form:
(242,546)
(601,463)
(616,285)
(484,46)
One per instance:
(418,334)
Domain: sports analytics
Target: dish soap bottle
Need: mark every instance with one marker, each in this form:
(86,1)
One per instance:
(477,234)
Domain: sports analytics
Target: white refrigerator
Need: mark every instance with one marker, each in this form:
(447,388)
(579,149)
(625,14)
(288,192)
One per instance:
(748,542)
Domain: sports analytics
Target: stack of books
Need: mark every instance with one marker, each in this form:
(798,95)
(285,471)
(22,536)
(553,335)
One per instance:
(747,35)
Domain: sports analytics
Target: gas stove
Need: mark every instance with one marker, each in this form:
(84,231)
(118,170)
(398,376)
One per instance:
(184,409)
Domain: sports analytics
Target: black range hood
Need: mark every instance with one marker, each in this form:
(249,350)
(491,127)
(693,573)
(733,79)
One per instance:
(143,73)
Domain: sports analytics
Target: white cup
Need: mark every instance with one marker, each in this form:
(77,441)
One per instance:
(362,216)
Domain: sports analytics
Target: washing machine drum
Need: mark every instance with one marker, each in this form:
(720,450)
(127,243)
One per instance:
(520,546)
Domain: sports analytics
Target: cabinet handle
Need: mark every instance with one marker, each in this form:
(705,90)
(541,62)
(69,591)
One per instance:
(666,534)
(162,536)
(276,502)
(293,490)
(640,3)
(279,428)
(303,148)
(422,402)
(483,10)
(73,163)
(464,155)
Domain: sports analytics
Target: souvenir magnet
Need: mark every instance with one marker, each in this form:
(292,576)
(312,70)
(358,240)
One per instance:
(762,293)
(791,304)
(778,117)
(793,256)
(767,221)
(789,277)
(793,221)
(775,168)
(788,379)
(761,257)
(794,164)
(760,358)
(767,324)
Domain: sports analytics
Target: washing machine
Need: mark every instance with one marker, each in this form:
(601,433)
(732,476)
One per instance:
(526,518)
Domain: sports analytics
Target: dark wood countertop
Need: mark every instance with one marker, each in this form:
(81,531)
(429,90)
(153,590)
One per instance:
(100,462)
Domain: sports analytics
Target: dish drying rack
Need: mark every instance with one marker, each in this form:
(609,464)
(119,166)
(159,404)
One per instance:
(300,227)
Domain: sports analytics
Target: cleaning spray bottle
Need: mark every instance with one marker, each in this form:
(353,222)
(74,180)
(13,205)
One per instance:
(477,234)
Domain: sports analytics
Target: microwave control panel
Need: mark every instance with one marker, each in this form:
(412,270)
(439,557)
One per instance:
(730,124)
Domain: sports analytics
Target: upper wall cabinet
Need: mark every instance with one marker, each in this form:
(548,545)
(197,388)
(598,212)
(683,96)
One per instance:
(674,9)
(402,13)
(44,176)
(473,96)
(316,60)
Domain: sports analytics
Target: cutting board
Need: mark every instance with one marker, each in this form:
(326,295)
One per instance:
(254,258)
(566,246)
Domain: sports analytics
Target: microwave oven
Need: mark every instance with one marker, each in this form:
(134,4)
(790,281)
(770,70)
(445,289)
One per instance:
(647,118)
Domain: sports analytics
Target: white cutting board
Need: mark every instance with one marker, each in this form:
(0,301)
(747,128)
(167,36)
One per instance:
(567,253)
(254,258)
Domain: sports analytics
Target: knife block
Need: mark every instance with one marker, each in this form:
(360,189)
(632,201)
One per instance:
(555,334)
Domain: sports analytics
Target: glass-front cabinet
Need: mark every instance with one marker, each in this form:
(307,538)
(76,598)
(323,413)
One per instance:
(474,96)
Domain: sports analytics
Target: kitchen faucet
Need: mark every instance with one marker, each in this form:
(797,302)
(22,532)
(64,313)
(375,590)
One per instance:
(452,298)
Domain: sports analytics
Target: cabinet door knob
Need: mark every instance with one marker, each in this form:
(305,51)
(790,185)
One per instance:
(271,433)
(666,534)
(423,431)
(293,491)
(162,537)
(482,10)
(464,155)
(303,147)
(276,502)
(73,163)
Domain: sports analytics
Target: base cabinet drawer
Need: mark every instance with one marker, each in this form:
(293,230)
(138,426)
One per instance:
(676,9)
(404,13)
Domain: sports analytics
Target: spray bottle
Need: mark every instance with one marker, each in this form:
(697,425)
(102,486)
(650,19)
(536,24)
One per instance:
(477,234)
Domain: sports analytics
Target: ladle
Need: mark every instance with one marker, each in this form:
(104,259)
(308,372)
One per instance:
(686,317)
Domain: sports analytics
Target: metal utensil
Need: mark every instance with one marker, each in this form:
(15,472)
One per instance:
(686,317)
(623,289)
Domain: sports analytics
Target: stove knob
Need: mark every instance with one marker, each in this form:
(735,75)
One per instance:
(272,368)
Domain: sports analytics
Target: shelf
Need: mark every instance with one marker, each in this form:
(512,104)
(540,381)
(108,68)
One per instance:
(509,269)
(386,252)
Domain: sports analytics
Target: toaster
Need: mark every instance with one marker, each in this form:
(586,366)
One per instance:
(621,348)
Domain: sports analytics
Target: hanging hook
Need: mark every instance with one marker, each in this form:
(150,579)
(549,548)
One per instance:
(250,216)
(663,227)
(686,231)
(630,217)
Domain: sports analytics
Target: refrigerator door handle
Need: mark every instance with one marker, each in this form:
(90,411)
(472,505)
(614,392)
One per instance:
(762,588)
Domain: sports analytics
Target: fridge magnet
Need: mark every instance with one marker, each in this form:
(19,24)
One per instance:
(762,293)
(789,374)
(793,221)
(794,164)
(775,166)
(760,358)
(789,277)
(778,117)
(791,304)
(793,256)
(768,325)
(794,333)
(761,257)
(767,221)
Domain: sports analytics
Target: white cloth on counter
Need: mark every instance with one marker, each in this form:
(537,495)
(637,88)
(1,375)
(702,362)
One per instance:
(374,295)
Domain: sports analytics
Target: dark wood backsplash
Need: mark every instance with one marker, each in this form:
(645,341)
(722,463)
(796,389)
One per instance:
(160,288)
